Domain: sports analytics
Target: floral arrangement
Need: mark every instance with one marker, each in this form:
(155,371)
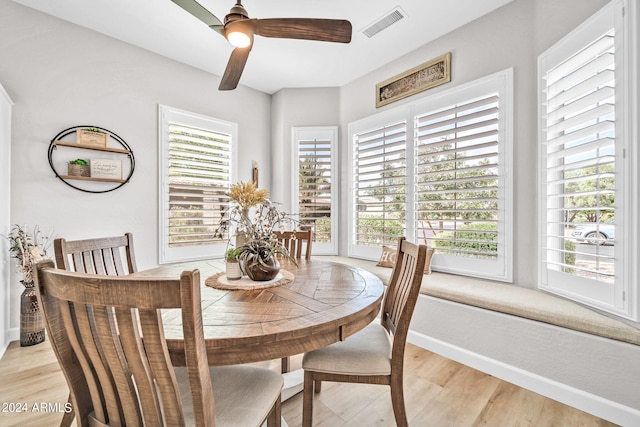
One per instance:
(246,195)
(257,228)
(28,248)
(266,218)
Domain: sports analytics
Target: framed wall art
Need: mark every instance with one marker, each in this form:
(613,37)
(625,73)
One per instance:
(425,76)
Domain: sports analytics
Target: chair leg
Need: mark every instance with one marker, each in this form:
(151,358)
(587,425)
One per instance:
(274,419)
(67,418)
(397,400)
(307,400)
(285,365)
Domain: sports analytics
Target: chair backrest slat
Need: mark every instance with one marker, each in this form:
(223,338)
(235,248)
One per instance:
(295,241)
(97,324)
(402,292)
(160,366)
(100,259)
(108,340)
(79,263)
(62,324)
(112,262)
(87,343)
(132,346)
(95,260)
(103,256)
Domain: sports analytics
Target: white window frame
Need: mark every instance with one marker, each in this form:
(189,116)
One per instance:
(622,297)
(324,133)
(499,269)
(168,115)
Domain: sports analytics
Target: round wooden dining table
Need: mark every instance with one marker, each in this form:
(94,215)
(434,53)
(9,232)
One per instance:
(324,303)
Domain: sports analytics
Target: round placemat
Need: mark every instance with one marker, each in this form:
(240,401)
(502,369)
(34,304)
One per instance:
(220,281)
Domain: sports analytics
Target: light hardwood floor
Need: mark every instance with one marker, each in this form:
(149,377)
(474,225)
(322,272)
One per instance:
(438,392)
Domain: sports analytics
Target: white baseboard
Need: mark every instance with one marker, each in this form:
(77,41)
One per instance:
(587,402)
(14,334)
(3,348)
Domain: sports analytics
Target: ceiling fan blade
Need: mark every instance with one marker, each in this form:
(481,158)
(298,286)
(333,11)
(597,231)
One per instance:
(328,30)
(199,11)
(234,69)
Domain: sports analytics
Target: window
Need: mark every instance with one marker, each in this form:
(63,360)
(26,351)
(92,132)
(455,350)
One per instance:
(315,171)
(459,180)
(438,171)
(586,194)
(197,167)
(378,180)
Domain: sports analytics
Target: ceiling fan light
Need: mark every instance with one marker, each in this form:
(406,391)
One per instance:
(239,39)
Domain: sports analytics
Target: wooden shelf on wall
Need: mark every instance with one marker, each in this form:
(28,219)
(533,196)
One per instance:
(93,143)
(88,178)
(90,147)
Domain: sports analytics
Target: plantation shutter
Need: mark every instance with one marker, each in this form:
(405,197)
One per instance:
(199,178)
(197,164)
(379,185)
(579,141)
(457,178)
(444,182)
(315,187)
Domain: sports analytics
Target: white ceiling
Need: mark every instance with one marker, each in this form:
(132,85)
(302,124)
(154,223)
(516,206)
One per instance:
(163,27)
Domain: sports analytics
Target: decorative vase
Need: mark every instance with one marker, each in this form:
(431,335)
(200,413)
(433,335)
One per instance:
(241,236)
(233,270)
(78,170)
(261,273)
(241,239)
(31,322)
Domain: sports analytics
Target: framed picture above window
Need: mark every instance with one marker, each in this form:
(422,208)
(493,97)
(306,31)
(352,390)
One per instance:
(425,76)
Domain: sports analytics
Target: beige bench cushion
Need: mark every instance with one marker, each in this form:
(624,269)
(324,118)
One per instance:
(534,305)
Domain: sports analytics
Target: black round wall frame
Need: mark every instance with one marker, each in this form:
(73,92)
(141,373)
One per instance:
(94,139)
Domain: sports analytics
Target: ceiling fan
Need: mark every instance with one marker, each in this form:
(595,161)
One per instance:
(239,30)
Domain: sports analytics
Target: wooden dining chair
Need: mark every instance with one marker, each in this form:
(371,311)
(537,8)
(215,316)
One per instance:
(113,256)
(104,255)
(96,326)
(297,242)
(375,354)
(294,241)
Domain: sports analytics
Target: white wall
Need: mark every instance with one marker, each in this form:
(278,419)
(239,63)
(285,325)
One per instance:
(5,203)
(291,108)
(61,75)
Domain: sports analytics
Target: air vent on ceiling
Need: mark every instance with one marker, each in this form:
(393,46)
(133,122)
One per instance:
(385,22)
